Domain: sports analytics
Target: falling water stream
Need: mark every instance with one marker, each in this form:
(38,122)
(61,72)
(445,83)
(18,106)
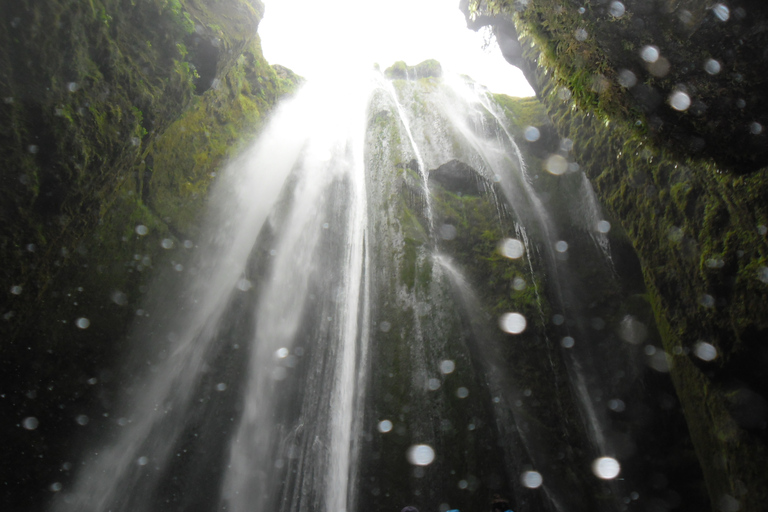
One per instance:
(355,361)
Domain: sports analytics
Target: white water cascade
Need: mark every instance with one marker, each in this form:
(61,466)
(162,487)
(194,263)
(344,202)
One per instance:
(338,341)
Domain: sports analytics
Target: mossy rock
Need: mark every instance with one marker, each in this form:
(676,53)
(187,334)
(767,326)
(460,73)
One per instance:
(710,58)
(104,106)
(401,71)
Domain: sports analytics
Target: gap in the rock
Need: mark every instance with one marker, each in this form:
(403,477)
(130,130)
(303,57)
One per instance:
(315,38)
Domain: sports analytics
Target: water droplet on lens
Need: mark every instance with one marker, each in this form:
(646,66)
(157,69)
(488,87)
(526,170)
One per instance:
(606,468)
(531,134)
(512,323)
(616,405)
(178,267)
(632,330)
(16,290)
(712,67)
(649,54)
(462,392)
(603,226)
(221,386)
(617,9)
(581,34)
(561,246)
(82,420)
(707,301)
(420,455)
(282,353)
(433,384)
(755,128)
(532,479)
(627,78)
(511,248)
(728,503)
(447,366)
(721,12)
(447,232)
(679,101)
(188,244)
(142,230)
(56,486)
(385,326)
(30,423)
(244,285)
(705,351)
(83,323)
(119,298)
(142,461)
(385,426)
(556,165)
(167,243)
(568,342)
(715,263)
(463,484)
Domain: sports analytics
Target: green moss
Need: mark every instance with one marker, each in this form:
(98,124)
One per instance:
(99,99)
(694,226)
(523,111)
(586,51)
(695,230)
(426,69)
(216,125)
(479,231)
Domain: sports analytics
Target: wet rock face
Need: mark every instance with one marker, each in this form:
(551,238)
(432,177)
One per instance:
(427,69)
(690,74)
(656,102)
(114,117)
(457,177)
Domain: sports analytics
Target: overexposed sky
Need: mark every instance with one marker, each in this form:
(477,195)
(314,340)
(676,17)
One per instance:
(320,38)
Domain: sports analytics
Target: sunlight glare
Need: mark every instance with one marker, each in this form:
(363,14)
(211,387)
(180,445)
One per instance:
(316,40)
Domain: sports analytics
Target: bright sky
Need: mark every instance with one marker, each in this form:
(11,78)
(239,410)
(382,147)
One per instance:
(317,38)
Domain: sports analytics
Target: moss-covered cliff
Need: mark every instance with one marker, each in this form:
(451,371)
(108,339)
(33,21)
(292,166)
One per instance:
(687,184)
(688,74)
(115,116)
(441,283)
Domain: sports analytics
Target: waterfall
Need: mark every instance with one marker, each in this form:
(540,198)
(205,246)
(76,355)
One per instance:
(339,340)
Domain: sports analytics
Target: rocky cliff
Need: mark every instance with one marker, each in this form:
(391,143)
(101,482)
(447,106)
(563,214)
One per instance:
(115,115)
(663,103)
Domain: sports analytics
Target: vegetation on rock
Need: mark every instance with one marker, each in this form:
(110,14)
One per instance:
(105,108)
(688,74)
(685,184)
(427,69)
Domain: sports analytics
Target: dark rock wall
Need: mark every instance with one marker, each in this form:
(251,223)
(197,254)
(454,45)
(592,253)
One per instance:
(689,188)
(115,114)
